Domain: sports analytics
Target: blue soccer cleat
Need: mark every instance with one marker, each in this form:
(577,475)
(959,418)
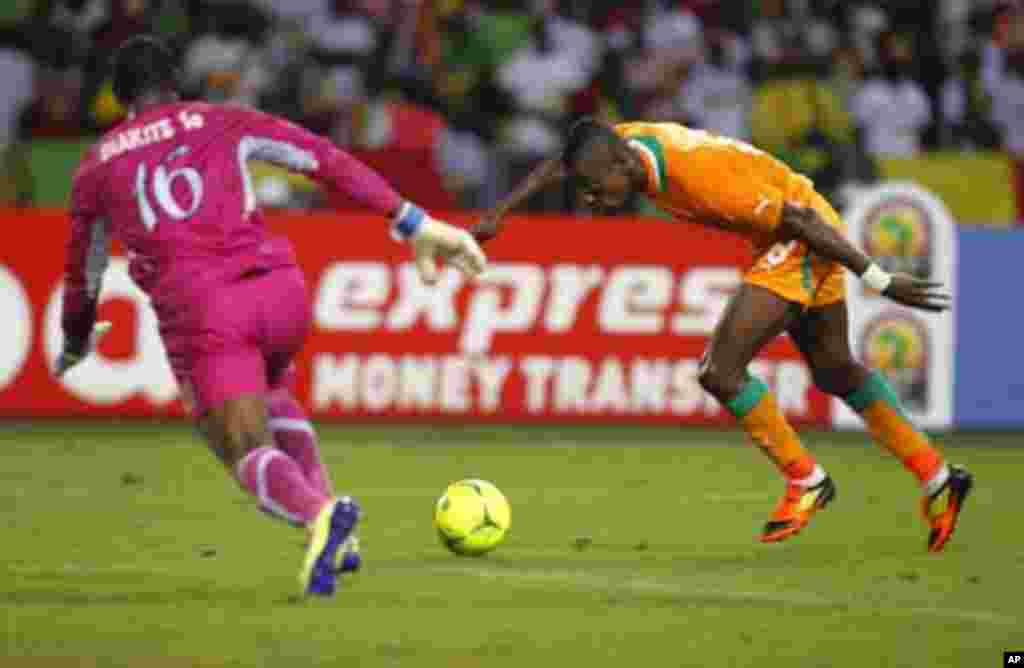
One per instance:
(328,533)
(349,559)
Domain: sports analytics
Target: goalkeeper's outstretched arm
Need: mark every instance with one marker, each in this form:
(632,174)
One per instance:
(277,141)
(548,173)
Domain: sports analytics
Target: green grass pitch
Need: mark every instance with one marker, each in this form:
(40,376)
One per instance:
(127,545)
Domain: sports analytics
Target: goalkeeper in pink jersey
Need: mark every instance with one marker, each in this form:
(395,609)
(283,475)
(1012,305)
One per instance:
(171,184)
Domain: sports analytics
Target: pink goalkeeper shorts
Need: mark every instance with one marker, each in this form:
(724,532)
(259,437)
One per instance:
(241,340)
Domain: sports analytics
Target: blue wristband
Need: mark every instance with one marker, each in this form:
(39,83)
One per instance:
(408,221)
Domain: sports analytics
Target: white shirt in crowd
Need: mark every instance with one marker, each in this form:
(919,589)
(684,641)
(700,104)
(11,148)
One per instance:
(893,116)
(352,34)
(16,71)
(306,12)
(953,99)
(541,83)
(1008,111)
(577,39)
(677,30)
(718,99)
(993,61)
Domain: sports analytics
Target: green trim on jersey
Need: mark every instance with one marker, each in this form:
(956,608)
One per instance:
(808,276)
(653,146)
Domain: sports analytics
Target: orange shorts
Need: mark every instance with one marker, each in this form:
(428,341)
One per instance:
(791,271)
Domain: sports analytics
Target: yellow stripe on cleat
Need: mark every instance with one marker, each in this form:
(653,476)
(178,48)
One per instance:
(807,502)
(320,532)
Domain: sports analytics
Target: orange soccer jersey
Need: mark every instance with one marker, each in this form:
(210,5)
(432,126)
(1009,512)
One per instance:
(700,177)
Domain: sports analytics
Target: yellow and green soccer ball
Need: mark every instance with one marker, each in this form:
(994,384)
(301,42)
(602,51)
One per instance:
(472,517)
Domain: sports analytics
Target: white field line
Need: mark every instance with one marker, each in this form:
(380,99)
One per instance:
(711,497)
(594,583)
(88,569)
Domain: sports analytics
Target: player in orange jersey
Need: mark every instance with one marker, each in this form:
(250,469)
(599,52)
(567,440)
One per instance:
(796,284)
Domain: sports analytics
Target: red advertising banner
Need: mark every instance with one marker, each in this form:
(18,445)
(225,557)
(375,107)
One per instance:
(576,320)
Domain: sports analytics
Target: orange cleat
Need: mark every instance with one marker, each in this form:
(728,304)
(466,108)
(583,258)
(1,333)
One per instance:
(796,508)
(942,517)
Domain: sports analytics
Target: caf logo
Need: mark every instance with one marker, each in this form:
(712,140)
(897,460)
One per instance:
(897,234)
(897,345)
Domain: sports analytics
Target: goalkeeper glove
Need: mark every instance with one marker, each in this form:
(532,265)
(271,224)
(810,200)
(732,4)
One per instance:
(433,240)
(72,355)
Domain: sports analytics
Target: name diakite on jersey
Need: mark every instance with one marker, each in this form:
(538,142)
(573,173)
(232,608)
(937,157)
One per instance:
(151,133)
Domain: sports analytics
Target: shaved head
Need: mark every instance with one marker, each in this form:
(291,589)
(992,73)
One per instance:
(601,164)
(588,138)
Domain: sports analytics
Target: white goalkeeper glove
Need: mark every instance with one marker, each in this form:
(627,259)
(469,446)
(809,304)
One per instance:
(433,240)
(69,358)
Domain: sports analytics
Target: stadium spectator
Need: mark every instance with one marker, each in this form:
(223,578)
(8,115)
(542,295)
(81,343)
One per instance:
(866,24)
(966,106)
(892,108)
(716,95)
(505,76)
(16,71)
(713,14)
(53,112)
(346,40)
(673,43)
(846,72)
(462,66)
(537,85)
(800,119)
(307,13)
(676,30)
(116,21)
(1007,87)
(540,78)
(608,96)
(784,32)
(228,63)
(798,113)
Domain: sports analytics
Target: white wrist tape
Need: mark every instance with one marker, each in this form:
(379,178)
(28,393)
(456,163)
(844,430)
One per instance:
(876,278)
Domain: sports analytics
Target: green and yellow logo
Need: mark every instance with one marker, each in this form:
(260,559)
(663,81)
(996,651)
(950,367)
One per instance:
(893,345)
(897,233)
(897,345)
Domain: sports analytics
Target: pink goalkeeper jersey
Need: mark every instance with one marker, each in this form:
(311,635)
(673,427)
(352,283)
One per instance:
(171,184)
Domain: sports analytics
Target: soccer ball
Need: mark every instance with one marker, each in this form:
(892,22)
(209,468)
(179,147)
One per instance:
(472,517)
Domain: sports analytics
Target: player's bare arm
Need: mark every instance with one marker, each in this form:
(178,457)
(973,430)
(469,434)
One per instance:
(806,225)
(548,173)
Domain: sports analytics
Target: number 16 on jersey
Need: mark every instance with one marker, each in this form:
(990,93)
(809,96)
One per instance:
(161,183)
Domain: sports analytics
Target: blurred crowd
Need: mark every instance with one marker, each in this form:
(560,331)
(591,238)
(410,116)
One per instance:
(486,87)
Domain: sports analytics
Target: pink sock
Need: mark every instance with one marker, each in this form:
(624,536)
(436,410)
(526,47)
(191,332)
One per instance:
(277,482)
(294,435)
